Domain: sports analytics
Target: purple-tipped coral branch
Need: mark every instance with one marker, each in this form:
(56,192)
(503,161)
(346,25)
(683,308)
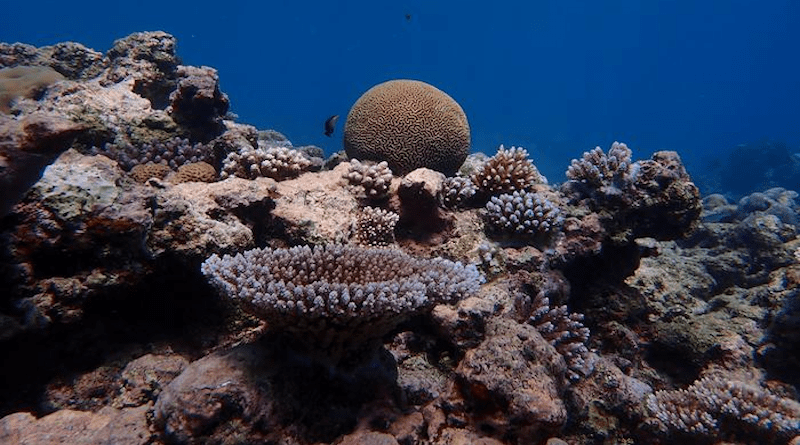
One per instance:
(715,407)
(333,299)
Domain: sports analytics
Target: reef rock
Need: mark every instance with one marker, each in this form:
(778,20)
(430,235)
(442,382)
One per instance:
(109,425)
(515,377)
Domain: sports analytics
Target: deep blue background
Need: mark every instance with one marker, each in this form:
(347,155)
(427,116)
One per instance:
(557,77)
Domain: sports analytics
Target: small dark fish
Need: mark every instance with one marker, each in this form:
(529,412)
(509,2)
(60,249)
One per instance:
(330,124)
(408,17)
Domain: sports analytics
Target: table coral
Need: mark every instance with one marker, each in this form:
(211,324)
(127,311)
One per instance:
(334,298)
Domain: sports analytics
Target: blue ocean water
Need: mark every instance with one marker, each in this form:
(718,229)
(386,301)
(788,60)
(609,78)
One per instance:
(556,77)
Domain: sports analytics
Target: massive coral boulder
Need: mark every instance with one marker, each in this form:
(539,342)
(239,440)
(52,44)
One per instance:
(410,124)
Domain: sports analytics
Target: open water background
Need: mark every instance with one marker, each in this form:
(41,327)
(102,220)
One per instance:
(556,77)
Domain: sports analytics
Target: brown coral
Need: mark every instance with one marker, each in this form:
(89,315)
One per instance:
(507,171)
(195,172)
(410,124)
(143,172)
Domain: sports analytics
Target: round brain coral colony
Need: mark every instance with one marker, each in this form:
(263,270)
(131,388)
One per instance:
(409,124)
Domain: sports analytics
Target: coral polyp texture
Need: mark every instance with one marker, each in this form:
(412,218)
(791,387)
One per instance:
(507,171)
(457,192)
(175,152)
(375,227)
(334,297)
(195,172)
(276,162)
(143,172)
(372,180)
(720,407)
(647,198)
(523,213)
(409,124)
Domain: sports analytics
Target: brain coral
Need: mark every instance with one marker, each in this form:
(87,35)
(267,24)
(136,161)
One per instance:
(409,124)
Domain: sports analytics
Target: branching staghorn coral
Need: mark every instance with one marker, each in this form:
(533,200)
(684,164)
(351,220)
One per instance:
(715,407)
(371,179)
(276,162)
(601,170)
(333,300)
(375,227)
(507,171)
(523,213)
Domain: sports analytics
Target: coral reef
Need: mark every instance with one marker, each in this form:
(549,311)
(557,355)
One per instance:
(372,180)
(760,165)
(523,213)
(276,162)
(651,198)
(606,172)
(27,146)
(507,171)
(565,332)
(717,406)
(335,303)
(457,192)
(175,152)
(24,81)
(410,125)
(334,297)
(197,102)
(375,227)
(195,172)
(143,172)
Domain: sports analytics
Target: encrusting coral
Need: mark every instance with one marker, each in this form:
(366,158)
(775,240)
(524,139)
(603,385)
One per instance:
(276,162)
(371,179)
(523,213)
(409,124)
(334,298)
(507,171)
(24,81)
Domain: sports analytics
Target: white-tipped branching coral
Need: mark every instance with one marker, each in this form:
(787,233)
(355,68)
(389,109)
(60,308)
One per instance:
(335,300)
